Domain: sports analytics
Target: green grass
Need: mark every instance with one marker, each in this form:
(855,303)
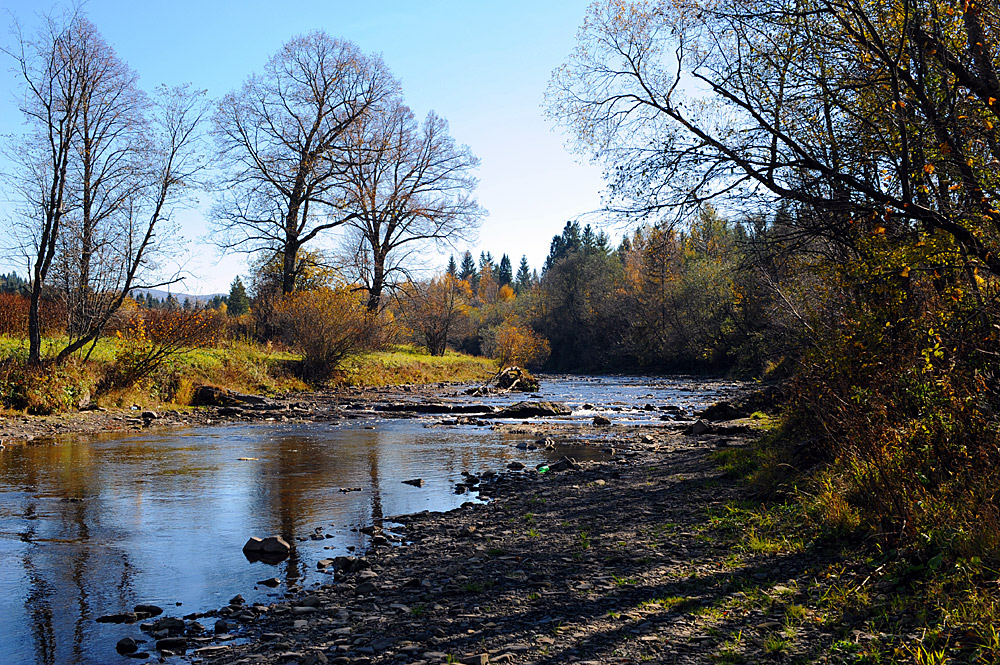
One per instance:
(407,364)
(260,368)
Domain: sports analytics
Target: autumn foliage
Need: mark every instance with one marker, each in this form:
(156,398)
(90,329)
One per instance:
(150,338)
(326,325)
(516,345)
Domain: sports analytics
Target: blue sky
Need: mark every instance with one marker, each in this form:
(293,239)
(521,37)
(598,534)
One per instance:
(482,65)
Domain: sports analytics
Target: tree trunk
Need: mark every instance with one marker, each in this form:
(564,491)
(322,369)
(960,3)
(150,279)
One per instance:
(378,283)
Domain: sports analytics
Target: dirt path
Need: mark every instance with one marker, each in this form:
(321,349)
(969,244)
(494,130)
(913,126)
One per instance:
(621,561)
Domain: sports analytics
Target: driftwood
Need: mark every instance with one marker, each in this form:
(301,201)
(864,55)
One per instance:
(507,380)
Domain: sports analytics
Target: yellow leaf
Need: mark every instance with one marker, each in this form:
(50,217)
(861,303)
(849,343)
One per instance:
(928,168)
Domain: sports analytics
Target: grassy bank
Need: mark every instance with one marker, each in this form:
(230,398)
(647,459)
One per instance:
(237,365)
(407,364)
(889,599)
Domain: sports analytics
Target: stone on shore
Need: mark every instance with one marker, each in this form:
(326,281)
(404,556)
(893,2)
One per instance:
(699,427)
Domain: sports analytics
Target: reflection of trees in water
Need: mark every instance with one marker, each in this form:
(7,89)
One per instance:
(36,600)
(64,566)
(377,514)
(72,577)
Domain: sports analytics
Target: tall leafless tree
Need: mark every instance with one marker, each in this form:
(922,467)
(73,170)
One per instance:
(51,107)
(406,185)
(282,136)
(101,169)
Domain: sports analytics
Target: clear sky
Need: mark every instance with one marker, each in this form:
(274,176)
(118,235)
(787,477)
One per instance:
(483,65)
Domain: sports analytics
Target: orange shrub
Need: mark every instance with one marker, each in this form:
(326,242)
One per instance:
(512,344)
(326,325)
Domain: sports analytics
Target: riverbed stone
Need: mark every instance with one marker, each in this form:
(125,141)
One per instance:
(535,408)
(126,645)
(148,610)
(171,644)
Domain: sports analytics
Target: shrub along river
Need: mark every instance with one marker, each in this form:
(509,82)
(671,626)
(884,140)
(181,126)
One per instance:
(92,526)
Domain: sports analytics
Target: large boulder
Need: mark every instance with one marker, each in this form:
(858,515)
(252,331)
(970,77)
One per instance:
(532,409)
(216,396)
(269,550)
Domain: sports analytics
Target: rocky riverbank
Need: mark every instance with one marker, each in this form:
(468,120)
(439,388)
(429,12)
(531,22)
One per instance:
(215,407)
(620,560)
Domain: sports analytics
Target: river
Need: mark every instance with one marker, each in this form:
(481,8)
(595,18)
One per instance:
(91,526)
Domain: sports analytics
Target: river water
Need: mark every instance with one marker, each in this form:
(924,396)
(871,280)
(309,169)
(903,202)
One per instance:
(96,525)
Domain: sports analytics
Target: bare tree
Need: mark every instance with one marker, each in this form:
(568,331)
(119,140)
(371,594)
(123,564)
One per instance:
(51,106)
(101,171)
(433,309)
(106,172)
(406,185)
(282,136)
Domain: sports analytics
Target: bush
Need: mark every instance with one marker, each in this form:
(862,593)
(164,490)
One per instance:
(14,315)
(902,399)
(511,345)
(152,337)
(52,388)
(326,325)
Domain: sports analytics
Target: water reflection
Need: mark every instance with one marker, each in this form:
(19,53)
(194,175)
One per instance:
(90,527)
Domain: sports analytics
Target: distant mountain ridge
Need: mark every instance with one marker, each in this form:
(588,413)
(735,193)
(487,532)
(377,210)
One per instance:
(160,294)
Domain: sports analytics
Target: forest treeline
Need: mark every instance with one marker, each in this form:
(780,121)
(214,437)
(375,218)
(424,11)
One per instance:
(659,300)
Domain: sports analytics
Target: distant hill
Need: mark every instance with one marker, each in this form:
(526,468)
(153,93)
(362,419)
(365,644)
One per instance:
(160,294)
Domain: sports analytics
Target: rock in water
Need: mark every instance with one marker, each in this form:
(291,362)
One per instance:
(275,545)
(269,550)
(126,645)
(516,378)
(125,617)
(601,421)
(416,482)
(150,610)
(253,545)
(171,644)
(530,409)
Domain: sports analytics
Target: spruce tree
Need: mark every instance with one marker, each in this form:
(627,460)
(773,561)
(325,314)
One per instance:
(468,270)
(452,266)
(523,282)
(505,273)
(238,302)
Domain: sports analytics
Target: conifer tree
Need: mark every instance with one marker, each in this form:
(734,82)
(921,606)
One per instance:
(452,266)
(523,282)
(468,271)
(505,273)
(238,302)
